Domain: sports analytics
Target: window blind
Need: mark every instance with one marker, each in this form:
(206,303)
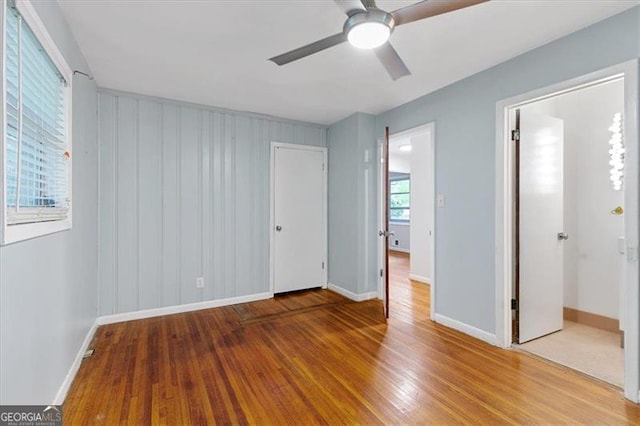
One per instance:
(36,160)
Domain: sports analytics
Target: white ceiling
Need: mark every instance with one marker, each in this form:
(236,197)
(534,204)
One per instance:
(399,161)
(215,52)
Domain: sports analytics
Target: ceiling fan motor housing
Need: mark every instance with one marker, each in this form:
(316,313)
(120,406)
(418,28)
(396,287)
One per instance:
(371,15)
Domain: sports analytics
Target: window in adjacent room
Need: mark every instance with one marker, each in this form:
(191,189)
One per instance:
(37,129)
(399,200)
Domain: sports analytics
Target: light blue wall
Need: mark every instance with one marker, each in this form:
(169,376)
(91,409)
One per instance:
(464,116)
(367,167)
(352,204)
(48,285)
(184,193)
(342,143)
(401,235)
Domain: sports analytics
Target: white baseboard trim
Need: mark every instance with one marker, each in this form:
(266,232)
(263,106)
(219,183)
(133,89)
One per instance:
(353,296)
(75,366)
(401,250)
(467,329)
(420,278)
(178,309)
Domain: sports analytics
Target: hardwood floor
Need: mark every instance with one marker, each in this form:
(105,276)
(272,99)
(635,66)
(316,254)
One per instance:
(319,359)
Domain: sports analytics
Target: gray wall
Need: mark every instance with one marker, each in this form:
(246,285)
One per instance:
(342,142)
(353,203)
(401,239)
(184,193)
(48,284)
(464,115)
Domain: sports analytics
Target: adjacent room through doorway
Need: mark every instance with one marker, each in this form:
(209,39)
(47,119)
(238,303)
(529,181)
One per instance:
(569,224)
(410,202)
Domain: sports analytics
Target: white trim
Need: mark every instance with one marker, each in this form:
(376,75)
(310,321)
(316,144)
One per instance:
(26,231)
(420,278)
(75,366)
(20,232)
(178,309)
(399,249)
(351,295)
(325,211)
(467,329)
(504,211)
(432,280)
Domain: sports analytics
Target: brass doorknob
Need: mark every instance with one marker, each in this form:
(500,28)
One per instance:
(617,211)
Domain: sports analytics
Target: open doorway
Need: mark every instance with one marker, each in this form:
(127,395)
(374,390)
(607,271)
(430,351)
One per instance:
(410,190)
(570,208)
(567,225)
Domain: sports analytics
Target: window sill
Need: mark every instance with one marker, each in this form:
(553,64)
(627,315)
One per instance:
(16,233)
(391,222)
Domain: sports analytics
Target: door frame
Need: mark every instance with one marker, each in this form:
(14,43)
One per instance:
(504,211)
(381,194)
(272,182)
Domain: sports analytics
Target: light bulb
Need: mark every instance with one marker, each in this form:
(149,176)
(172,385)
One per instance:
(369,35)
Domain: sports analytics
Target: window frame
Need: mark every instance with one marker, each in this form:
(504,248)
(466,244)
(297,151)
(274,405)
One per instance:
(399,179)
(24,231)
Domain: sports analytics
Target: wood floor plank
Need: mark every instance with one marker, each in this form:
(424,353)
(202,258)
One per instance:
(317,358)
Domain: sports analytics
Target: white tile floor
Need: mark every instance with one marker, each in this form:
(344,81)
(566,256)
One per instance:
(586,349)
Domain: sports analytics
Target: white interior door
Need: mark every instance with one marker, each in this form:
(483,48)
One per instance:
(299,234)
(540,295)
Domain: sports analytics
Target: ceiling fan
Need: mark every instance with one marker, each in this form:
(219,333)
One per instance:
(368,27)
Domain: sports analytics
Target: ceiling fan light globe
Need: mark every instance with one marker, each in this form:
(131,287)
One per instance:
(369,35)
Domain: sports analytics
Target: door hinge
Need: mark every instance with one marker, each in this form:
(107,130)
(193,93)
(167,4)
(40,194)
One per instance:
(322,265)
(514,305)
(323,167)
(515,135)
(381,272)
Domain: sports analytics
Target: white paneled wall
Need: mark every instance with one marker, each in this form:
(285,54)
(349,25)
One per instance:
(184,193)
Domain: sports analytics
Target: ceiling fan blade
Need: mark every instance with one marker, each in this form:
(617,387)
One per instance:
(392,61)
(351,6)
(369,4)
(427,9)
(309,49)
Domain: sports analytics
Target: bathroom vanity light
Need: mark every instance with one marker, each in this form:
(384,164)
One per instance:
(616,152)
